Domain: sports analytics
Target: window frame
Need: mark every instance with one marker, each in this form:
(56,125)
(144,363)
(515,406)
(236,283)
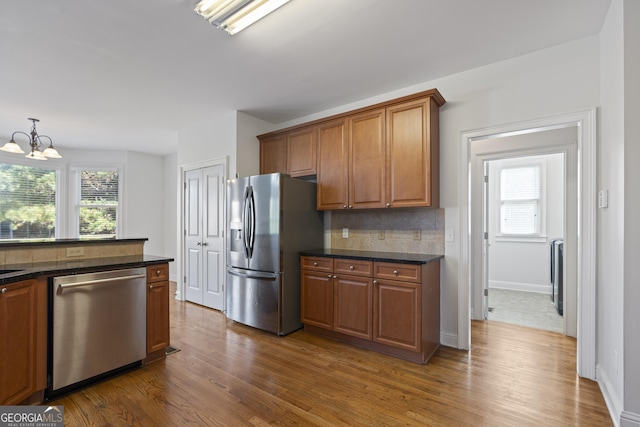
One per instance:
(74,196)
(540,235)
(60,200)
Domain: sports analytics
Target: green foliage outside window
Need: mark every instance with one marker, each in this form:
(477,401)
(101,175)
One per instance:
(27,202)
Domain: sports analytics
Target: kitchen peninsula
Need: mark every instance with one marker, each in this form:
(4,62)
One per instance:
(27,272)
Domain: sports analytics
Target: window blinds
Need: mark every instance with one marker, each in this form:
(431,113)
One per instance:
(27,202)
(520,200)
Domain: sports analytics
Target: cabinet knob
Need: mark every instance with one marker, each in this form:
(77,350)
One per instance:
(3,290)
(150,286)
(350,206)
(344,206)
(375,282)
(351,267)
(329,276)
(395,272)
(315,264)
(388,205)
(335,277)
(199,244)
(205,244)
(157,272)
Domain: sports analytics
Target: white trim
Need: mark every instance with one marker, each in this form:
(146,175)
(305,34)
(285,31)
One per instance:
(518,286)
(586,171)
(614,405)
(224,161)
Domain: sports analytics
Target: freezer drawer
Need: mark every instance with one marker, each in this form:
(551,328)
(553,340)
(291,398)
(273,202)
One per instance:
(255,299)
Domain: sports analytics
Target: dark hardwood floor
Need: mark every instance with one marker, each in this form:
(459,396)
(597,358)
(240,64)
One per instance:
(227,374)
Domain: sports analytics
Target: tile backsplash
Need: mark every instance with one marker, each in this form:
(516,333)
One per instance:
(411,230)
(62,252)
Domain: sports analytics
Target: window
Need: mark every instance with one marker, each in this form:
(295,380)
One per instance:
(27,202)
(520,200)
(97,207)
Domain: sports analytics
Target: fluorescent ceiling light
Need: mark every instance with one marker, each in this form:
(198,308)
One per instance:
(234,16)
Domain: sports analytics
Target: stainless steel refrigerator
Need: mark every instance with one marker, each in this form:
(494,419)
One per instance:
(270,218)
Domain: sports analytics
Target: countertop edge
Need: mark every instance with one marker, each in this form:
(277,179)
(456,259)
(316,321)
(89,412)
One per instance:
(15,244)
(34,270)
(396,257)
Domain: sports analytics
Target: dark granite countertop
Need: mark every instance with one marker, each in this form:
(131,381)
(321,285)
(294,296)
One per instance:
(400,257)
(61,268)
(12,244)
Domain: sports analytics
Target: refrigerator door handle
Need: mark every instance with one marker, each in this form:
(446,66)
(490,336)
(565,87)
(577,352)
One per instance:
(252,221)
(246,225)
(251,274)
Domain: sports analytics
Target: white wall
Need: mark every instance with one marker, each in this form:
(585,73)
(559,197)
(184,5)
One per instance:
(524,265)
(631,363)
(610,221)
(171,218)
(144,200)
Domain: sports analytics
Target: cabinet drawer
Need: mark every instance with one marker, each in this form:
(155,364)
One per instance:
(352,266)
(157,273)
(397,271)
(316,263)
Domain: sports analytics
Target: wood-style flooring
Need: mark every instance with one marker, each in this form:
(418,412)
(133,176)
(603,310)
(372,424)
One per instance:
(227,374)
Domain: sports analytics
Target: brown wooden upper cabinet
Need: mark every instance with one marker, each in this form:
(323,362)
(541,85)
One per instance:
(273,154)
(382,156)
(301,152)
(293,153)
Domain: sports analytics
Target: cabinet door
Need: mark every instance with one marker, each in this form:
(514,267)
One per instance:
(352,306)
(396,314)
(18,341)
(273,154)
(412,154)
(157,317)
(316,299)
(301,152)
(333,163)
(367,160)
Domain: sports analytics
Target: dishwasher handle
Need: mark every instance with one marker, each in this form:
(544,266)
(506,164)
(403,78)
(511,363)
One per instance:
(62,286)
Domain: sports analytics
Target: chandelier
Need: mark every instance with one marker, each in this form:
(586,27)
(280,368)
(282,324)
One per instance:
(36,144)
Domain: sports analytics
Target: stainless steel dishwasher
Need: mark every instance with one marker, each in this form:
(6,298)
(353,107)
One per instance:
(98,325)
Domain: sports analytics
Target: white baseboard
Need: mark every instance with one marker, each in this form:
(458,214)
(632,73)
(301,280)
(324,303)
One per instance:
(611,398)
(629,419)
(526,287)
(448,339)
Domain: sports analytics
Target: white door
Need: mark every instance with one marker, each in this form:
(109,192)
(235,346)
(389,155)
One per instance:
(204,236)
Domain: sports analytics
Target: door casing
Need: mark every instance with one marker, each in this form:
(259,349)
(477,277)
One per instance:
(585,123)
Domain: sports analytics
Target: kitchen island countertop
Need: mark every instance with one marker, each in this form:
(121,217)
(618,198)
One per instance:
(399,257)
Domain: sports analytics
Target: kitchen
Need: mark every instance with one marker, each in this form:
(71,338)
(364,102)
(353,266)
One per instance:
(476,98)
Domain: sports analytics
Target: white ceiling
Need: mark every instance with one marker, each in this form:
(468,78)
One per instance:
(129,74)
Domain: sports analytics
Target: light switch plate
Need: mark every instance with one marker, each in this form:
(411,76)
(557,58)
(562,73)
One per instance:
(449,235)
(345,233)
(603,198)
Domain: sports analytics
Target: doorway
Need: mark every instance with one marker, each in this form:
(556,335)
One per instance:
(524,216)
(580,194)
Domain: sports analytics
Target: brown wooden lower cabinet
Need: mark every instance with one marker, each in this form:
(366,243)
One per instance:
(23,312)
(157,311)
(392,308)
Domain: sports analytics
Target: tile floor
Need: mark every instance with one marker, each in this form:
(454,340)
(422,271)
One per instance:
(524,308)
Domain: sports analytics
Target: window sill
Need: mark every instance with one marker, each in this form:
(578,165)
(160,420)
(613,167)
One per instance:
(523,239)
